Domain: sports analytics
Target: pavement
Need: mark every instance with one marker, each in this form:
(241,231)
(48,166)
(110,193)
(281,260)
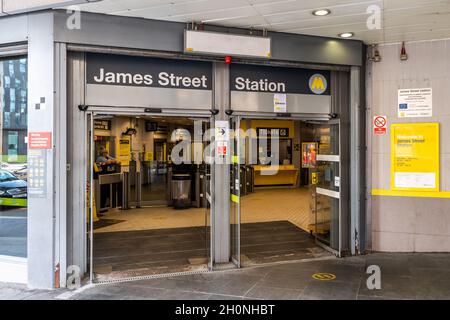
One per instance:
(402,276)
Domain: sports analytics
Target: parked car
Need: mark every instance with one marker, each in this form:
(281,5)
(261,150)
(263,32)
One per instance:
(13,191)
(18,169)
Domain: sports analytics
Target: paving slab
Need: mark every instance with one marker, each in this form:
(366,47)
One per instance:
(403,276)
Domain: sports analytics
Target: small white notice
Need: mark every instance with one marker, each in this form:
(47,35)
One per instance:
(415,103)
(337,182)
(222,130)
(280,102)
(425,180)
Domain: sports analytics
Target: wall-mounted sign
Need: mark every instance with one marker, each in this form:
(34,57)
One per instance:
(257,88)
(222,132)
(318,83)
(102,124)
(221,44)
(279,102)
(415,156)
(40,140)
(37,173)
(254,78)
(222,148)
(151,126)
(124,152)
(148,72)
(309,154)
(414,103)
(379,125)
(272,132)
(222,138)
(119,80)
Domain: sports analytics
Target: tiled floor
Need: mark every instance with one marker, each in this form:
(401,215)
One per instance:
(403,276)
(290,204)
(162,240)
(144,252)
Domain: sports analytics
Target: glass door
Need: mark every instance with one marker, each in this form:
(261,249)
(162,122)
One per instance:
(327,184)
(235,191)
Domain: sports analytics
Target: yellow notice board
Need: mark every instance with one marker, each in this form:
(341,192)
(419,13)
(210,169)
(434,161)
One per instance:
(124,152)
(415,156)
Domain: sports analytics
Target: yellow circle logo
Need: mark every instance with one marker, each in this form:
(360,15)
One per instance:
(324,276)
(318,83)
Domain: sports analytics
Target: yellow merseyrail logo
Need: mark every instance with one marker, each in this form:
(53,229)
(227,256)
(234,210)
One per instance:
(318,83)
(324,276)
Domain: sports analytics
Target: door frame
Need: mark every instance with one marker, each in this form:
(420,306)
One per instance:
(235,192)
(90,113)
(323,119)
(334,158)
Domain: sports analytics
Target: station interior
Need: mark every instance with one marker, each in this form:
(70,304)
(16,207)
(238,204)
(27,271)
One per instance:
(158,220)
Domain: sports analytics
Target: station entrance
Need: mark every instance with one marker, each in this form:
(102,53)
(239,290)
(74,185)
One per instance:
(284,190)
(149,190)
(152,200)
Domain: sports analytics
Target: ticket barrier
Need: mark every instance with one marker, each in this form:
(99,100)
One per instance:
(110,191)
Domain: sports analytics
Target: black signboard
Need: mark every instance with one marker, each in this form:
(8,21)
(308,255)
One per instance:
(151,126)
(272,132)
(120,70)
(102,124)
(255,78)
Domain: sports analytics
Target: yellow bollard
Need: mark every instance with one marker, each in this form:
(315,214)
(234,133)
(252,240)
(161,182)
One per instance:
(94,211)
(88,202)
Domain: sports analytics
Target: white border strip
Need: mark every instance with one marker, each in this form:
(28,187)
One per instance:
(13,269)
(326,192)
(328,157)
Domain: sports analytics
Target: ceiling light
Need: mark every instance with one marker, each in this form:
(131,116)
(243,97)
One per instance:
(346,35)
(321,12)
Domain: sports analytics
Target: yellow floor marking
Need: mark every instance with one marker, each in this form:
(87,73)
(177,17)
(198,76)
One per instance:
(324,276)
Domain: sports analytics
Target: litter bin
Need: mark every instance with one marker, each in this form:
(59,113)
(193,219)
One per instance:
(181,191)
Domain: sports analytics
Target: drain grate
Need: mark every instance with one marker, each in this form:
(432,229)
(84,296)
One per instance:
(149,277)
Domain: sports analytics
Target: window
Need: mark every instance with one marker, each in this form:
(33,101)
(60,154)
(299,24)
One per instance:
(13,157)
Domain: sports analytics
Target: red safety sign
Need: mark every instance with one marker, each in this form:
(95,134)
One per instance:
(222,148)
(40,140)
(379,125)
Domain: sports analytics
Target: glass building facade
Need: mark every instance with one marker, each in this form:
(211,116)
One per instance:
(13,170)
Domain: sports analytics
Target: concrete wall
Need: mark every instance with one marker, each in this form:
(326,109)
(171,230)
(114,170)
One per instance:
(409,224)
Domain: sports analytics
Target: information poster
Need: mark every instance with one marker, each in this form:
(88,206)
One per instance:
(124,152)
(414,103)
(280,103)
(415,156)
(309,152)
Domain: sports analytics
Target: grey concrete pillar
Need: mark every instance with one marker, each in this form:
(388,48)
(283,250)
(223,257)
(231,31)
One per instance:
(222,172)
(41,207)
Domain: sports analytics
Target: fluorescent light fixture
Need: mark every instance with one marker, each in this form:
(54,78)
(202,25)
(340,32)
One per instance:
(225,44)
(321,12)
(346,34)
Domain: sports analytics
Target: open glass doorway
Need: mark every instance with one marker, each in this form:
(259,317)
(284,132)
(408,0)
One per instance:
(149,195)
(280,173)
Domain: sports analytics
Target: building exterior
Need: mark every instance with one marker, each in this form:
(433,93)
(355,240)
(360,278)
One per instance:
(54,69)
